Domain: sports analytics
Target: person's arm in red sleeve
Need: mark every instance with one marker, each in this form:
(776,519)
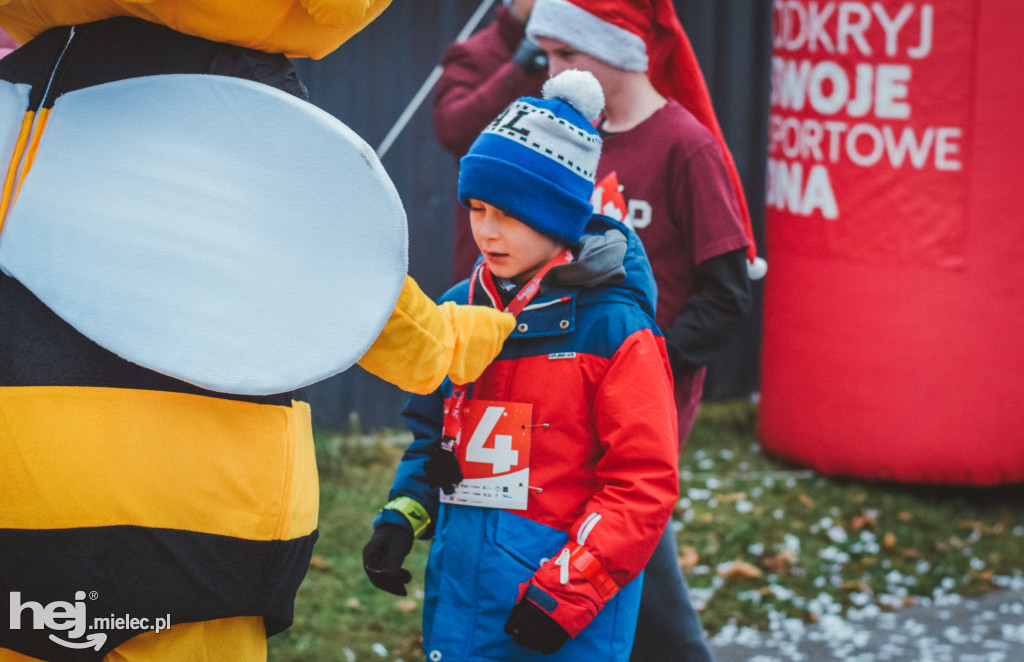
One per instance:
(611,543)
(480,79)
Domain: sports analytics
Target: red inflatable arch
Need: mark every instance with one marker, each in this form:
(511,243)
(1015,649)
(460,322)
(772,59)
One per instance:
(893,342)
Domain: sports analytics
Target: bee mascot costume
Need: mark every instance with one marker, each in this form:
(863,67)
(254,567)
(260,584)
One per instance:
(185,243)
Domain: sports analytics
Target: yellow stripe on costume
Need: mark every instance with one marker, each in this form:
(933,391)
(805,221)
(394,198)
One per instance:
(240,639)
(310,28)
(8,191)
(84,457)
(33,147)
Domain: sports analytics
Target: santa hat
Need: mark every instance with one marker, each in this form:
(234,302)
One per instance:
(643,35)
(537,161)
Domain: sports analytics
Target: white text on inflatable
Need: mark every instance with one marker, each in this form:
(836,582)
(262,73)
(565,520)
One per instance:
(843,97)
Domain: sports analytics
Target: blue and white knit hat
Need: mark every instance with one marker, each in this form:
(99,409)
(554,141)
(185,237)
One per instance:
(537,160)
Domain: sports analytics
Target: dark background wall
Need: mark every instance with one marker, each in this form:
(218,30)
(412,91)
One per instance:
(368,82)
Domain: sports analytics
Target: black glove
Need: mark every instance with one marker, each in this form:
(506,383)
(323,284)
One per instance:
(383,556)
(530,626)
(530,57)
(442,468)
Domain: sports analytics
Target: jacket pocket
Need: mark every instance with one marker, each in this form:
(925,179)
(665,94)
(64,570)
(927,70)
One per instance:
(514,547)
(530,543)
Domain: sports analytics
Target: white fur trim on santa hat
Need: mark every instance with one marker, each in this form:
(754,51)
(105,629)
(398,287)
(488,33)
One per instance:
(576,27)
(579,89)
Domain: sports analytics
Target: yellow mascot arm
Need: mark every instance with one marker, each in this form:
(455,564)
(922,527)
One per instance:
(423,342)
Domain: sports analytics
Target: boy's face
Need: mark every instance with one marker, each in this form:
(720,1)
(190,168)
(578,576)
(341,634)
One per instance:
(561,57)
(511,249)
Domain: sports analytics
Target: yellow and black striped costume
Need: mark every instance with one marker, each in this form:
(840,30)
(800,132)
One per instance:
(159,497)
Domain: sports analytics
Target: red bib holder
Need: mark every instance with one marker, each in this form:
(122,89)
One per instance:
(495,458)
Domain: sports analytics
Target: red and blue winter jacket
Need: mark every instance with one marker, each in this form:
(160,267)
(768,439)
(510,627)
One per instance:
(588,357)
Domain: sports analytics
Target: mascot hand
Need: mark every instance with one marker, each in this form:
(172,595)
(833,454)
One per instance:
(479,334)
(422,342)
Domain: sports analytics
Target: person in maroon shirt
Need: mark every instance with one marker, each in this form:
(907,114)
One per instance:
(481,76)
(666,171)
(688,220)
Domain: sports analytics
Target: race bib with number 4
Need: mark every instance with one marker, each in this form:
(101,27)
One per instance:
(494,451)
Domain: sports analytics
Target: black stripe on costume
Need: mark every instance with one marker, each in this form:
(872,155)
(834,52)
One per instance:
(145,573)
(38,348)
(119,48)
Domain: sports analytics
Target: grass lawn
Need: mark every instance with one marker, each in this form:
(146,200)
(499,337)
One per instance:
(760,542)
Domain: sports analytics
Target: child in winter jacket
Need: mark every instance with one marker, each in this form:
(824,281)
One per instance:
(557,467)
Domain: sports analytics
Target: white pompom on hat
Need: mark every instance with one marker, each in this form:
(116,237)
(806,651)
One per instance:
(579,89)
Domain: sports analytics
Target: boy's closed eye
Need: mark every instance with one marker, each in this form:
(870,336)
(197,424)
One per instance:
(511,248)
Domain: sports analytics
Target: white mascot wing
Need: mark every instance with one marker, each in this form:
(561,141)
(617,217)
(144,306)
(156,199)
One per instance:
(213,229)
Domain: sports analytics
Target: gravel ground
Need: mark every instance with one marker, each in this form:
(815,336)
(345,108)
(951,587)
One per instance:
(950,628)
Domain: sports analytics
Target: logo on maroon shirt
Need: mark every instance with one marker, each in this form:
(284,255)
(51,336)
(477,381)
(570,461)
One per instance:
(608,200)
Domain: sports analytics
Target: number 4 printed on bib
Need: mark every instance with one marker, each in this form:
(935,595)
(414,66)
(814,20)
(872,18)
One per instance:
(501,456)
(494,455)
